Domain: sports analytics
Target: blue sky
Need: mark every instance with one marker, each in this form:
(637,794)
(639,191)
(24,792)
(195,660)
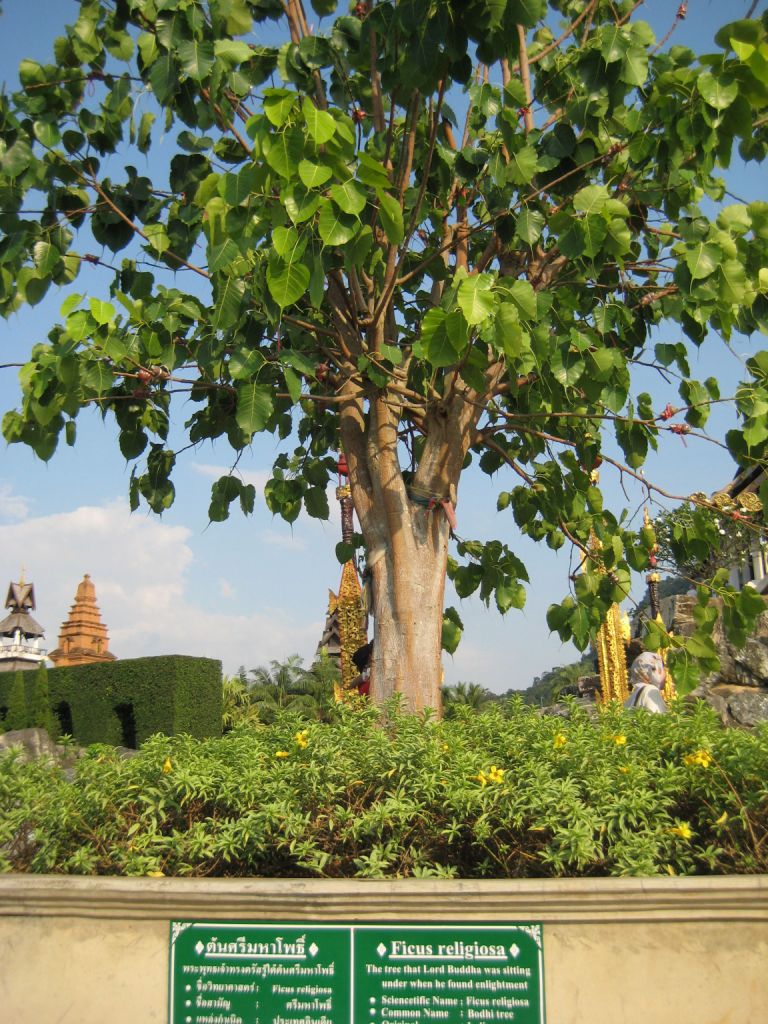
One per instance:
(250,590)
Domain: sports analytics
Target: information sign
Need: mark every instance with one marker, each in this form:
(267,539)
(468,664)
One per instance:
(236,973)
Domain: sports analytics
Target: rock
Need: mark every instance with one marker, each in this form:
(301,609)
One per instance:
(745,666)
(565,710)
(750,707)
(36,743)
(589,686)
(740,706)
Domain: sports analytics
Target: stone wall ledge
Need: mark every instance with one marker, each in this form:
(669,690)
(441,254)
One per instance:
(718,898)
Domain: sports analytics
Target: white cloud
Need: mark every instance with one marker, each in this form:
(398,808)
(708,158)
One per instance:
(12,506)
(141,568)
(287,540)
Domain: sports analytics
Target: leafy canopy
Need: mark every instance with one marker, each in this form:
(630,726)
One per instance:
(475,211)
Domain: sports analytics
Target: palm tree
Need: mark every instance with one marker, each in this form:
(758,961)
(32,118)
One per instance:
(287,684)
(237,707)
(470,695)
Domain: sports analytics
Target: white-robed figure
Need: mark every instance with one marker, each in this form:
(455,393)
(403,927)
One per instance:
(647,677)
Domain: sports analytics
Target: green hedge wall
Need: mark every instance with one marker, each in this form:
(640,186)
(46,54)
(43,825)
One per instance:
(124,702)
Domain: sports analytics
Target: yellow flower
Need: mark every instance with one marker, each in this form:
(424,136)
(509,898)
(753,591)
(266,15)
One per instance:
(481,778)
(623,769)
(155,874)
(684,831)
(301,738)
(700,757)
(495,774)
(167,766)
(722,819)
(281,753)
(559,741)
(620,740)
(445,747)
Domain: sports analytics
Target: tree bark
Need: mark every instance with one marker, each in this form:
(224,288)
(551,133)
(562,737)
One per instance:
(408,582)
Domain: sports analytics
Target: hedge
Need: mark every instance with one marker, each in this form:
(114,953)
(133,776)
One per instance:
(490,795)
(124,702)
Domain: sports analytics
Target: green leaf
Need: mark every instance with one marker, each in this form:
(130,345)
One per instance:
(451,631)
(145,129)
(317,283)
(475,299)
(157,237)
(334,226)
(595,232)
(320,124)
(293,383)
(287,282)
(591,199)
(227,309)
(313,175)
(164,79)
(510,595)
(522,166)
(96,376)
(634,66)
(733,281)
(16,159)
(244,363)
(718,91)
(509,335)
(444,337)
(254,407)
(344,552)
(278,104)
(288,244)
(102,312)
(349,197)
(315,52)
(316,502)
(391,217)
(299,204)
(197,58)
(524,297)
(371,172)
(703,260)
(220,256)
(284,153)
(530,224)
(237,188)
(232,51)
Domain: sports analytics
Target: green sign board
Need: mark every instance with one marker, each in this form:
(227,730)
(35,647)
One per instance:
(235,973)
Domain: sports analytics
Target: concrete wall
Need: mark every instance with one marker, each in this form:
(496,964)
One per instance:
(616,951)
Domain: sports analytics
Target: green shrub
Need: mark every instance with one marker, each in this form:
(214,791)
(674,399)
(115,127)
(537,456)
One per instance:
(42,716)
(490,795)
(124,702)
(18,712)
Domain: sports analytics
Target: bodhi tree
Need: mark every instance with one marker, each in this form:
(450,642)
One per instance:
(434,232)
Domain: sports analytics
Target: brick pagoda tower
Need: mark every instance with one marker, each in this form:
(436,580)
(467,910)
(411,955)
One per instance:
(83,639)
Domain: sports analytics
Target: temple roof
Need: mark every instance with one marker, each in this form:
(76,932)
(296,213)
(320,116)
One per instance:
(20,600)
(21,597)
(20,621)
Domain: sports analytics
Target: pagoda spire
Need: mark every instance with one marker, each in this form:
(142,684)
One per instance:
(83,638)
(345,625)
(20,633)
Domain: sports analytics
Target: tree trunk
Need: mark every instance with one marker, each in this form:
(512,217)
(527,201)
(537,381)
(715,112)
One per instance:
(406,540)
(408,581)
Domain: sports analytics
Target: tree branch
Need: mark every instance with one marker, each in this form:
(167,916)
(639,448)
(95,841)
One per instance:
(525,77)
